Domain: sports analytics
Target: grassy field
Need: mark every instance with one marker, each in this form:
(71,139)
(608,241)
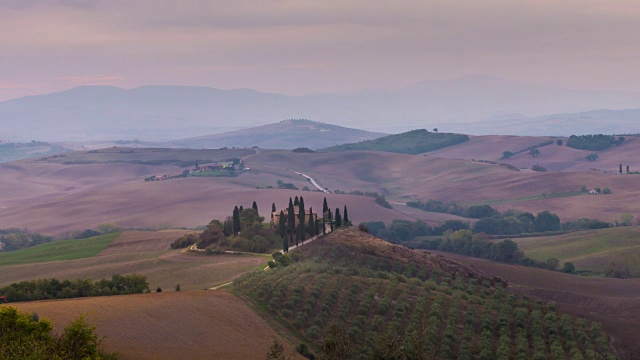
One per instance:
(58,250)
(145,253)
(591,250)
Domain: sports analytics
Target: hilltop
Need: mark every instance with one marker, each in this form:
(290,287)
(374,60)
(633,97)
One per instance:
(411,142)
(368,297)
(286,134)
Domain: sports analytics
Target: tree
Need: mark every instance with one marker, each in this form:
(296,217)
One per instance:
(338,218)
(552,264)
(620,169)
(276,351)
(178,287)
(158,289)
(435,130)
(240,209)
(324,225)
(627,169)
(282,227)
(546,221)
(606,191)
(255,206)
(296,202)
(330,220)
(291,219)
(302,219)
(568,268)
(534,152)
(559,142)
(312,223)
(325,207)
(285,245)
(346,217)
(273,207)
(507,154)
(236,220)
(626,219)
(337,343)
(592,157)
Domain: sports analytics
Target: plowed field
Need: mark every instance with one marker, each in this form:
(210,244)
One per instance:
(184,325)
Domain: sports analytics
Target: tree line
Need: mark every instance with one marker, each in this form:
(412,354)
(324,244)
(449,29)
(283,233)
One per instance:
(44,289)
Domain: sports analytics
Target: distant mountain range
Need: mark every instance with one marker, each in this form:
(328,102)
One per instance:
(588,122)
(154,113)
(286,134)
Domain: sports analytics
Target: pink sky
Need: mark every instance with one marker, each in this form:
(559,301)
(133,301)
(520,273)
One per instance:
(300,47)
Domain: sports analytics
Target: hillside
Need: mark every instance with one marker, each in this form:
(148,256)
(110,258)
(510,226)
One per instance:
(591,250)
(133,252)
(387,299)
(614,302)
(11,151)
(287,134)
(412,142)
(174,325)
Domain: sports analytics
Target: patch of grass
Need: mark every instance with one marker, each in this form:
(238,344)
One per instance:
(59,250)
(411,142)
(590,250)
(533,197)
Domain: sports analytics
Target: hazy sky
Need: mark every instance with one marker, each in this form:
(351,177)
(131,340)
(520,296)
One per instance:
(299,47)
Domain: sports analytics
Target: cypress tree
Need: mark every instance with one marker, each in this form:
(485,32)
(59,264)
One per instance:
(620,169)
(330,220)
(325,207)
(627,168)
(302,219)
(312,224)
(282,229)
(291,219)
(236,220)
(347,223)
(338,218)
(324,226)
(285,244)
(241,208)
(273,207)
(296,202)
(255,206)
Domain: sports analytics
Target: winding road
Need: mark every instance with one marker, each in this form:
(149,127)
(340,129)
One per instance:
(312,181)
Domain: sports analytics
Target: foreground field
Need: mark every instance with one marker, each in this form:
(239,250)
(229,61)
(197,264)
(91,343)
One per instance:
(143,253)
(184,325)
(614,302)
(590,250)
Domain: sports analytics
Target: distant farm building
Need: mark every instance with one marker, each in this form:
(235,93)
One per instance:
(296,209)
(3,300)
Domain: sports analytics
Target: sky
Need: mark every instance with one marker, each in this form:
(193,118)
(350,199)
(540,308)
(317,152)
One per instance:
(302,47)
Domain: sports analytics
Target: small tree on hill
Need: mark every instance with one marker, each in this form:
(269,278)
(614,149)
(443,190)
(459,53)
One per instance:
(338,218)
(291,219)
(159,289)
(236,220)
(312,223)
(325,208)
(330,220)
(347,223)
(620,170)
(240,208)
(559,142)
(627,169)
(296,202)
(324,225)
(273,207)
(569,268)
(592,157)
(534,152)
(178,287)
(255,206)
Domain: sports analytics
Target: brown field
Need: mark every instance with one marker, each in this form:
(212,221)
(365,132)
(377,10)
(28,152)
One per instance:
(143,253)
(614,302)
(59,198)
(141,241)
(488,147)
(184,325)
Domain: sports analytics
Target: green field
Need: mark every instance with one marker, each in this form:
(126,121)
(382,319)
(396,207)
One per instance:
(590,250)
(58,250)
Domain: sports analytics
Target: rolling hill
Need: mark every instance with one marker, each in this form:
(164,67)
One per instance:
(287,134)
(411,142)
